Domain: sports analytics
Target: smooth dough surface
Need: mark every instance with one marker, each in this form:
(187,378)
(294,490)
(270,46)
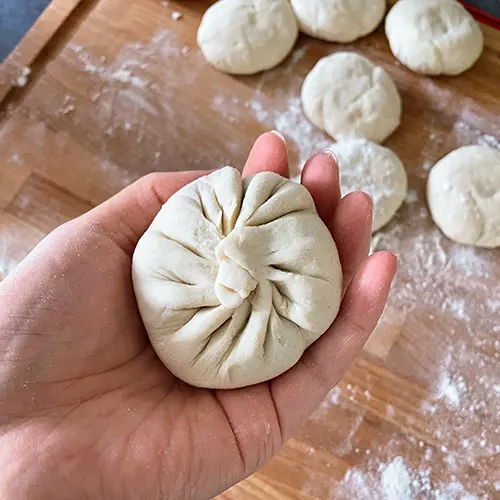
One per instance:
(243,37)
(338,20)
(433,37)
(235,279)
(366,166)
(346,95)
(463,192)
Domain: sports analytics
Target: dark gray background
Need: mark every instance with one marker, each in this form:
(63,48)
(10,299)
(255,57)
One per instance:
(16,17)
(490,6)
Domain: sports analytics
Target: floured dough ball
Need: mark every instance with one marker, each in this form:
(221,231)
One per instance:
(365,166)
(338,20)
(243,37)
(463,192)
(235,279)
(433,37)
(346,95)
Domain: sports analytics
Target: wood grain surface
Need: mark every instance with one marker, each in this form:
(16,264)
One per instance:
(120,89)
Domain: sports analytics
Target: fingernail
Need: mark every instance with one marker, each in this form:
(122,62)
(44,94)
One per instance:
(331,153)
(396,256)
(279,134)
(370,196)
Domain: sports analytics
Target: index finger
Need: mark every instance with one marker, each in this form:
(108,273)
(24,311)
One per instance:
(268,154)
(320,176)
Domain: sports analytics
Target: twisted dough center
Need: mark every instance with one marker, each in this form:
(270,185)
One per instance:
(234,282)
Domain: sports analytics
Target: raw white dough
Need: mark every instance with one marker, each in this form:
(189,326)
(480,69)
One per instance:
(463,192)
(346,95)
(235,279)
(338,20)
(243,37)
(433,37)
(366,166)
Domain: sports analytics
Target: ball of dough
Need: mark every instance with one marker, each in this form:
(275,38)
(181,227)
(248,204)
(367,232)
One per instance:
(366,166)
(235,279)
(463,192)
(243,37)
(338,20)
(346,95)
(433,37)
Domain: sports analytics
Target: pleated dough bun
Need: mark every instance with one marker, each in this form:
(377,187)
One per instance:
(236,278)
(463,192)
(434,37)
(347,96)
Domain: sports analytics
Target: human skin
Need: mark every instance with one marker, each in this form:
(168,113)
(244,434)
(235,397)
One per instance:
(87,410)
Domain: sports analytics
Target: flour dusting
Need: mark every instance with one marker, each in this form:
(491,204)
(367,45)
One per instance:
(303,138)
(454,290)
(396,480)
(22,80)
(450,391)
(136,102)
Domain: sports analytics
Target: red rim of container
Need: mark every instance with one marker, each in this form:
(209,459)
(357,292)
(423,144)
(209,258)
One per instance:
(481,16)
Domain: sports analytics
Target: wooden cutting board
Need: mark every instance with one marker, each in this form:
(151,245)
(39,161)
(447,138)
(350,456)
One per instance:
(118,89)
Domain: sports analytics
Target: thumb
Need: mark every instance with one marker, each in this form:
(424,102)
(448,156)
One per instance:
(126,216)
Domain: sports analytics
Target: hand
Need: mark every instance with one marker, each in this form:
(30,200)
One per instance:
(87,410)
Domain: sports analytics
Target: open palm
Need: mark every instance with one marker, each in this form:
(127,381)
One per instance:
(87,410)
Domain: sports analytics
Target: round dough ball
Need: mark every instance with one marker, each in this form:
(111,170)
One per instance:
(463,192)
(346,95)
(366,166)
(433,37)
(243,37)
(235,279)
(338,20)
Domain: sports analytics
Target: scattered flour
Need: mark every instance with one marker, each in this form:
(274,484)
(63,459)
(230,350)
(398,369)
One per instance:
(334,396)
(133,101)
(16,158)
(395,480)
(23,78)
(412,196)
(448,391)
(124,74)
(389,411)
(470,135)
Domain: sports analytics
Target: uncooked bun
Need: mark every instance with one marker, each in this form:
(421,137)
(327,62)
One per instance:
(338,20)
(433,37)
(346,95)
(463,192)
(247,36)
(366,166)
(235,279)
